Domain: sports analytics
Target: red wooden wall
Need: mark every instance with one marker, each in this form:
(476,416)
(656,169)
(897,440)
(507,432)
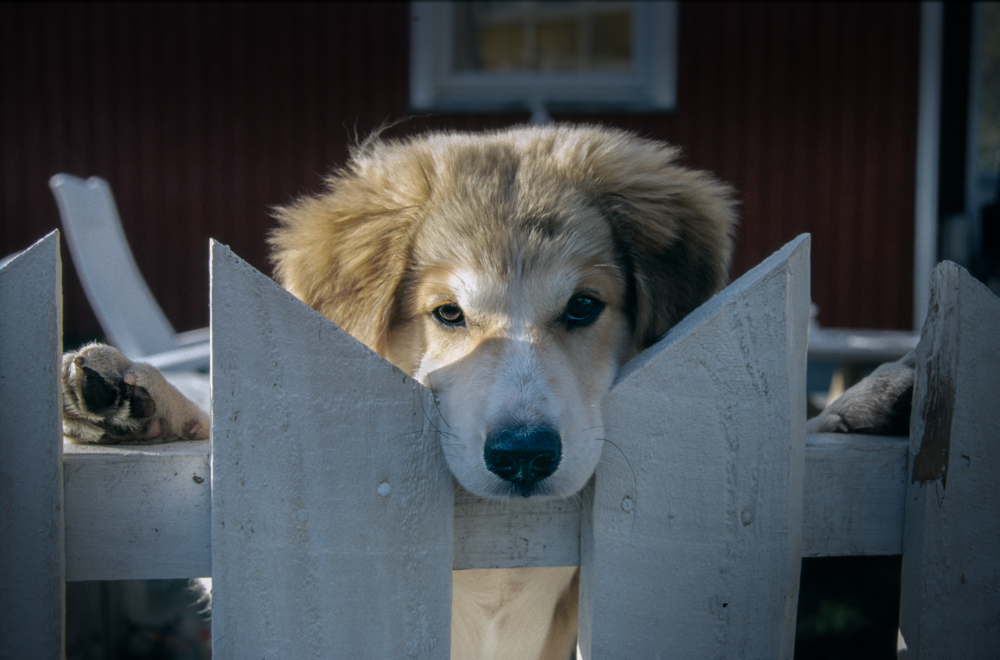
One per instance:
(204,116)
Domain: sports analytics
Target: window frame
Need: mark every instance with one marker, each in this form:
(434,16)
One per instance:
(651,86)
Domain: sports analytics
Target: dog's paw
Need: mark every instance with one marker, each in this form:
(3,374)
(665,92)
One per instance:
(107,398)
(879,405)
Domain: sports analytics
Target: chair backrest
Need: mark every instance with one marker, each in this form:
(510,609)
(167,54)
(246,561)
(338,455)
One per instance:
(116,289)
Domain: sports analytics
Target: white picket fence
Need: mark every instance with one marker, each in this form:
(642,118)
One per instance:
(329,521)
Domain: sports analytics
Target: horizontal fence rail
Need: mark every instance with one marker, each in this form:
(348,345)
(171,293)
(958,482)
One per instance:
(145,513)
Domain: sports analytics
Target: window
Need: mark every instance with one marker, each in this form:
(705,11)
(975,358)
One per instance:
(590,55)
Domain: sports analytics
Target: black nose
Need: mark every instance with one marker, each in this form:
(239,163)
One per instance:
(522,455)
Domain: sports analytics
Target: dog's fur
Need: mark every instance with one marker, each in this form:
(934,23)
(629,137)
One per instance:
(877,405)
(513,273)
(520,232)
(510,227)
(108,399)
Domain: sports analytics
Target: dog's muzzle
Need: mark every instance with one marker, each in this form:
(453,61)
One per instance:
(522,455)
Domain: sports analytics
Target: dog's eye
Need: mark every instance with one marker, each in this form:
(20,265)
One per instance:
(582,310)
(449,314)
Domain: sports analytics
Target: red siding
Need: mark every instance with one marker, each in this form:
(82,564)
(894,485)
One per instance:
(204,116)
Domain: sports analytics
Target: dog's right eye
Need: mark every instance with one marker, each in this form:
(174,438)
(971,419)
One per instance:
(581,311)
(449,315)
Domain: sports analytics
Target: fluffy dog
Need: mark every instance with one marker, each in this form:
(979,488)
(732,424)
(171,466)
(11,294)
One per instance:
(513,273)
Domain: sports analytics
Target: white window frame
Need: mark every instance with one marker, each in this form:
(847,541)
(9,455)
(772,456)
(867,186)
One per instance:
(652,85)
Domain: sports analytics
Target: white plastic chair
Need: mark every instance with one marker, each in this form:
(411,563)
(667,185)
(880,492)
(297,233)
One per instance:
(118,294)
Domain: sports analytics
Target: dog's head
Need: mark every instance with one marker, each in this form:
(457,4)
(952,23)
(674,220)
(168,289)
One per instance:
(513,273)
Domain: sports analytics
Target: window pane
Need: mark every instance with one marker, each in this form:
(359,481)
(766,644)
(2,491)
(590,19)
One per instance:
(552,36)
(612,41)
(558,45)
(489,37)
(501,47)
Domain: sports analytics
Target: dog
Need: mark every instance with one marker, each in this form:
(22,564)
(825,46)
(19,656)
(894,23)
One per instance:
(511,272)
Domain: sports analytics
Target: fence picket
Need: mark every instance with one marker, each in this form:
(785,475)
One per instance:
(332,531)
(694,544)
(332,502)
(32,559)
(950,600)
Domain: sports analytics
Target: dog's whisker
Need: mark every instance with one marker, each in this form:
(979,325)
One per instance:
(422,432)
(635,481)
(423,411)
(437,402)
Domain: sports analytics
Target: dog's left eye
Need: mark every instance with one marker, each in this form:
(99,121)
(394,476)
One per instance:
(449,315)
(581,311)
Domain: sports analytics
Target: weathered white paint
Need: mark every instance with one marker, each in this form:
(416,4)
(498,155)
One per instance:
(31,498)
(138,512)
(694,544)
(852,505)
(853,496)
(517,533)
(332,502)
(297,579)
(950,602)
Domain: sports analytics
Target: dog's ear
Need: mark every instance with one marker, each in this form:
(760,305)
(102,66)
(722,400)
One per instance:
(345,252)
(674,226)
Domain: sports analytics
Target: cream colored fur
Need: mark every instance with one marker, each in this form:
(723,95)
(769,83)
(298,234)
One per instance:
(133,403)
(509,228)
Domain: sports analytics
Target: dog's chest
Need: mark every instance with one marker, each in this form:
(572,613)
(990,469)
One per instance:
(505,613)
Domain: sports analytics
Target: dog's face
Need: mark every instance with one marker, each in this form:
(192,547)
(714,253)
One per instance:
(519,328)
(513,274)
